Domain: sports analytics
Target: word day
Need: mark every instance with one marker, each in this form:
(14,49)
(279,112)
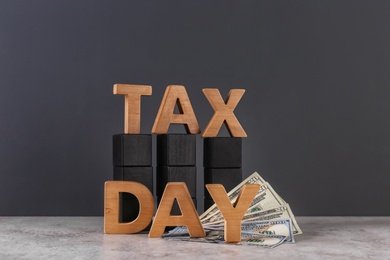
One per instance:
(174,191)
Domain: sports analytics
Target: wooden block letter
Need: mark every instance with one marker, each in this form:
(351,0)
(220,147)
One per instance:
(175,95)
(233,215)
(223,113)
(189,217)
(111,207)
(133,95)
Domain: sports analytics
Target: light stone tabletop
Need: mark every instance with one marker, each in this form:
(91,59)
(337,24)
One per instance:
(83,238)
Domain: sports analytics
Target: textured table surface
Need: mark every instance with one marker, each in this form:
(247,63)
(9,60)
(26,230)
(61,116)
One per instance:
(83,238)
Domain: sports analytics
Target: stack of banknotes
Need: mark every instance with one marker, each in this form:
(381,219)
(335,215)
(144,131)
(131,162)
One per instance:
(268,222)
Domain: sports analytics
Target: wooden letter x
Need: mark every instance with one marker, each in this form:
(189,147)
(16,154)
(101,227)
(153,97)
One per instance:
(133,95)
(223,112)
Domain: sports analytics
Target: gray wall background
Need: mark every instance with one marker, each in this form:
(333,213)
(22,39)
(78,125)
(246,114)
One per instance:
(316,108)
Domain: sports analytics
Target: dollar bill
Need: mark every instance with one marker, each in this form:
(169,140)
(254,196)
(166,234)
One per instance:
(275,227)
(217,237)
(282,211)
(254,178)
(260,178)
(266,241)
(266,198)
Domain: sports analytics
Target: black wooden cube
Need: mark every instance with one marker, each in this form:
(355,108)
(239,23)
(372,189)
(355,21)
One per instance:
(176,150)
(208,203)
(132,149)
(128,207)
(185,174)
(142,175)
(222,152)
(229,178)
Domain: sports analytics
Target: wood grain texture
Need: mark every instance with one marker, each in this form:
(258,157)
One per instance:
(132,95)
(189,217)
(111,207)
(233,214)
(175,95)
(223,112)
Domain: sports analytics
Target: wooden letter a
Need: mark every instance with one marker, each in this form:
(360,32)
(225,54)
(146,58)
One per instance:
(189,217)
(175,95)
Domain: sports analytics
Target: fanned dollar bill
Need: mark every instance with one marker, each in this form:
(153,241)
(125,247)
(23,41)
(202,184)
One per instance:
(217,237)
(255,178)
(266,241)
(268,221)
(274,227)
(282,211)
(265,198)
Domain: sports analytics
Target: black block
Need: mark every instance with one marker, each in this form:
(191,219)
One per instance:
(208,203)
(142,175)
(128,207)
(129,210)
(132,150)
(126,196)
(222,152)
(175,208)
(229,178)
(185,174)
(176,150)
